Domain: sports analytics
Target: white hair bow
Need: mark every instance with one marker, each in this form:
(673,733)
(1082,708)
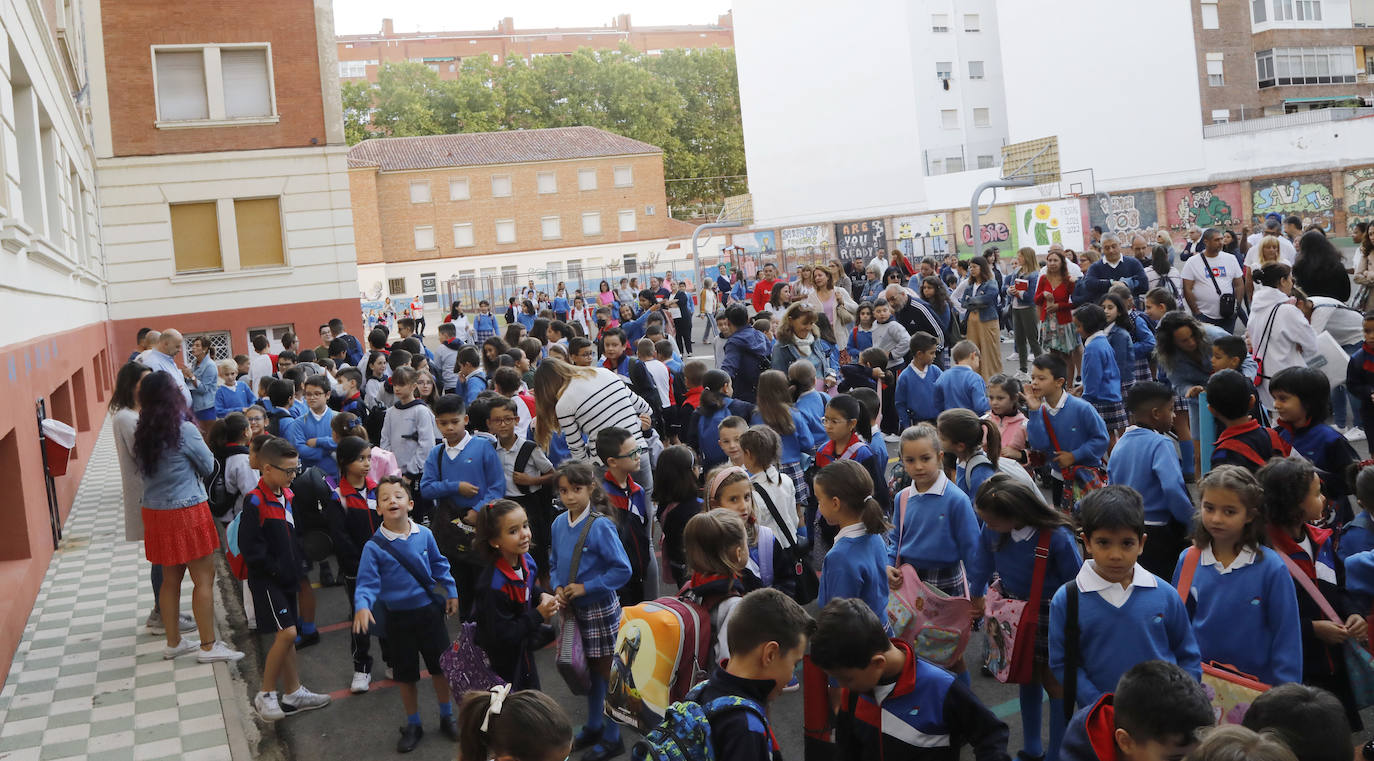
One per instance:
(498,697)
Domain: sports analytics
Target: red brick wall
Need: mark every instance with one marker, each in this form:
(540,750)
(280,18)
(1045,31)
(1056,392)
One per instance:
(132,27)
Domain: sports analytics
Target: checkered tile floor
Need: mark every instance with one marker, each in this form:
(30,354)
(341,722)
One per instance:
(87,681)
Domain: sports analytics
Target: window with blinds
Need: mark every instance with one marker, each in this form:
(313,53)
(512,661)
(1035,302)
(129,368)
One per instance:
(258,221)
(195,237)
(181,86)
(242,91)
(247,91)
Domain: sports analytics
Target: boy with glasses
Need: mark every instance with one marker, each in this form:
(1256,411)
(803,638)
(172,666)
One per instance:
(311,433)
(632,513)
(528,475)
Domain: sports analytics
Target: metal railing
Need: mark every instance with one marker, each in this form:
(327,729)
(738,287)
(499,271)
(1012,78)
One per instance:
(1296,119)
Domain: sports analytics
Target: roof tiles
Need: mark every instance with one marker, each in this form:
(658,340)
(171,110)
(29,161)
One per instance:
(485,148)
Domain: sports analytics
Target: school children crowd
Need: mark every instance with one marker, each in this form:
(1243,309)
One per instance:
(538,480)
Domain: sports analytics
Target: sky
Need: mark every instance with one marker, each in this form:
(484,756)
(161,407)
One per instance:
(365,16)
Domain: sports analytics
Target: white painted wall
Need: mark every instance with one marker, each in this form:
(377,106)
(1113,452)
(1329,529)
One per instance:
(317,224)
(823,134)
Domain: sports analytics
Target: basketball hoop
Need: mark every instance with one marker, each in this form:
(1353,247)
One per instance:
(1048,189)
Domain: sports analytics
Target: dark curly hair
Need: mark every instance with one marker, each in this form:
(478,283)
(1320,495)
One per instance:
(162,410)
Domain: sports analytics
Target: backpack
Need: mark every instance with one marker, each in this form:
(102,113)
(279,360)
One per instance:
(663,648)
(1005,465)
(237,565)
(685,732)
(897,479)
(217,491)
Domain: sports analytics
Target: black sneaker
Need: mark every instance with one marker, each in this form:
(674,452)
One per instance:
(410,737)
(306,640)
(448,727)
(586,738)
(327,578)
(601,751)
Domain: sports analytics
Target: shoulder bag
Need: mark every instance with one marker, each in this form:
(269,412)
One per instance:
(1227,301)
(1231,690)
(1359,664)
(572,658)
(1011,626)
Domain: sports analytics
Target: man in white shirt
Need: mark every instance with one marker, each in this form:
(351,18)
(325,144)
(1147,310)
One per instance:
(1287,252)
(1208,277)
(162,358)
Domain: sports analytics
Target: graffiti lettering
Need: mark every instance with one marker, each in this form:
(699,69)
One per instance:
(860,240)
(1307,197)
(1359,196)
(993,232)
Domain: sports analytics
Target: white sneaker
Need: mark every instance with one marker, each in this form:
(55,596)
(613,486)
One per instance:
(154,624)
(268,707)
(361,681)
(1355,434)
(303,700)
(891,438)
(218,652)
(185,647)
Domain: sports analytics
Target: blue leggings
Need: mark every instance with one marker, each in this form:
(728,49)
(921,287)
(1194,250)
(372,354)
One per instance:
(155,576)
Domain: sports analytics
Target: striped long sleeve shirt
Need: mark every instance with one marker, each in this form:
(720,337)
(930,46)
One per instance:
(590,404)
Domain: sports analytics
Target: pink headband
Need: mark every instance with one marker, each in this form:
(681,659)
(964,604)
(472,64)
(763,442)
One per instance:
(720,477)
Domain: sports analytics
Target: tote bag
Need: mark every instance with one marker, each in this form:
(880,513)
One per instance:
(1011,625)
(1230,690)
(936,624)
(572,657)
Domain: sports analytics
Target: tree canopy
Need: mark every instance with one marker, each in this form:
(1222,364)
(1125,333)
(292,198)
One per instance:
(684,101)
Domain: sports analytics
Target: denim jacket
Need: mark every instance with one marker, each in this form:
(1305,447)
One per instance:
(984,299)
(177,481)
(207,383)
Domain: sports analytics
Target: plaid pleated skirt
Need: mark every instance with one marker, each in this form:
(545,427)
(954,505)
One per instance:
(1113,414)
(949,579)
(793,470)
(599,623)
(1142,370)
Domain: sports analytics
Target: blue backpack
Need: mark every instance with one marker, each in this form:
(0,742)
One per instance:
(685,732)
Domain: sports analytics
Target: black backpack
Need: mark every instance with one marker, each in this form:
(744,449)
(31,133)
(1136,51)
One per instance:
(217,491)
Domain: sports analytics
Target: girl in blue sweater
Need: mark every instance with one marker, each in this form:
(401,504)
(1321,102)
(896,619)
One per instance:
(1302,403)
(1019,529)
(847,430)
(774,408)
(801,379)
(857,565)
(1240,597)
(1142,333)
(936,531)
(962,437)
(1101,372)
(588,592)
(861,335)
(716,404)
(1119,334)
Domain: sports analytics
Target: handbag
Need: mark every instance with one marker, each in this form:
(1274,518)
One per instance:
(1226,301)
(936,624)
(808,583)
(572,657)
(1079,480)
(1011,625)
(1359,663)
(466,666)
(1230,690)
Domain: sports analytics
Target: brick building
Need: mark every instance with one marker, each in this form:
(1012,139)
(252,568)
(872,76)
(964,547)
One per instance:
(1270,57)
(361,54)
(571,200)
(222,164)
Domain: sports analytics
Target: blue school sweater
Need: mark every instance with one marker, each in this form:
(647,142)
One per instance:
(381,577)
(236,398)
(560,304)
(1012,557)
(525,319)
(321,455)
(1120,341)
(1077,426)
(969,481)
(1147,461)
(1101,374)
(478,464)
(856,566)
(940,529)
(708,431)
(1356,536)
(812,406)
(915,396)
(960,386)
(484,325)
(1152,624)
(1248,616)
(473,386)
(299,408)
(604,567)
(1143,338)
(801,440)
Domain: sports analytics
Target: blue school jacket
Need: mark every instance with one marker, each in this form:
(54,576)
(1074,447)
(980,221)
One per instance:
(960,386)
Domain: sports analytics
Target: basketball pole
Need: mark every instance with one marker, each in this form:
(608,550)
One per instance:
(1014,180)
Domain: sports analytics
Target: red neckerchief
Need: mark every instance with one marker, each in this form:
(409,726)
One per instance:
(1368,364)
(827,453)
(1249,425)
(701,579)
(517,588)
(1285,544)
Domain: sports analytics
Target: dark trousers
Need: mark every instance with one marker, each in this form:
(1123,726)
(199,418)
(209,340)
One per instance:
(360,645)
(1160,553)
(539,512)
(423,506)
(683,326)
(1227,324)
(891,423)
(420,325)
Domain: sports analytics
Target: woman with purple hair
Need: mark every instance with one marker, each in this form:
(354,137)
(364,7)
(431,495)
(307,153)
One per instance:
(178,530)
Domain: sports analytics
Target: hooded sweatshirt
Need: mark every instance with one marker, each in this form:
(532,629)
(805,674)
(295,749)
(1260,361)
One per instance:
(1279,335)
(745,351)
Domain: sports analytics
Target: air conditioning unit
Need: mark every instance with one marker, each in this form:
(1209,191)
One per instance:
(648,211)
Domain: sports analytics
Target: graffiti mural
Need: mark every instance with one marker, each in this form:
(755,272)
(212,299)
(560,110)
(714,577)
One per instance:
(1040,224)
(922,235)
(1359,196)
(860,240)
(755,242)
(807,244)
(996,230)
(1126,214)
(1204,206)
(1307,197)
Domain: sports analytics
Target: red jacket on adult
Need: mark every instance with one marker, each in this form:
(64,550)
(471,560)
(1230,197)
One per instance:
(763,289)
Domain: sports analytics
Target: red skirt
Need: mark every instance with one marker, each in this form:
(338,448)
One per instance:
(176,537)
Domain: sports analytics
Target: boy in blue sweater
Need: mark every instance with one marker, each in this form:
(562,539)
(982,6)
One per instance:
(462,474)
(962,386)
(915,395)
(1146,459)
(1063,427)
(311,433)
(414,625)
(472,379)
(1115,614)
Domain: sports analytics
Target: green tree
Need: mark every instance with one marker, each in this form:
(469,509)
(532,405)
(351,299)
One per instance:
(357,111)
(407,100)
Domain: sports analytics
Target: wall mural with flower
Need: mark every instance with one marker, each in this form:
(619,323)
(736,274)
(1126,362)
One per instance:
(1040,224)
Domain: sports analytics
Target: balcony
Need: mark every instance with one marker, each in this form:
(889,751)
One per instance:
(1299,118)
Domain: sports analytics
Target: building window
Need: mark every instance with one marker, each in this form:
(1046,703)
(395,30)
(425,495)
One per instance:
(631,264)
(395,286)
(1220,116)
(354,69)
(972,23)
(547,181)
(500,186)
(627,220)
(505,231)
(551,228)
(458,189)
(258,221)
(424,238)
(954,164)
(586,179)
(1215,76)
(1305,66)
(975,69)
(985,162)
(591,223)
(195,237)
(1209,15)
(939,23)
(419,191)
(241,92)
(943,69)
(949,118)
(1308,10)
(462,235)
(981,117)
(221,345)
(624,178)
